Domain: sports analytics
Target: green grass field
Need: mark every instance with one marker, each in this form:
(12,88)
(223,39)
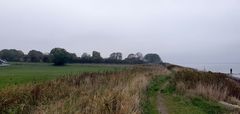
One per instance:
(21,73)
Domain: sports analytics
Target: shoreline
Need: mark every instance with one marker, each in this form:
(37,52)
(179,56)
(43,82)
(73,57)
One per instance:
(170,65)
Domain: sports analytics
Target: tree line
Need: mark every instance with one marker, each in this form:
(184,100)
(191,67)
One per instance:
(60,56)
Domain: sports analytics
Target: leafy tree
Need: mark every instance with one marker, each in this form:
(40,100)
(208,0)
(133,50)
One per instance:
(35,56)
(131,56)
(116,56)
(59,56)
(12,55)
(96,57)
(46,58)
(152,58)
(72,58)
(85,55)
(85,58)
(139,55)
(133,59)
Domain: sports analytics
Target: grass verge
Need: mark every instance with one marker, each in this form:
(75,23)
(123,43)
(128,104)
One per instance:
(22,73)
(150,102)
(175,102)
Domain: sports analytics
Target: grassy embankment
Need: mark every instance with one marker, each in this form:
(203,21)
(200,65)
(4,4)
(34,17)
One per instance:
(91,93)
(21,73)
(115,91)
(178,103)
(189,92)
(215,87)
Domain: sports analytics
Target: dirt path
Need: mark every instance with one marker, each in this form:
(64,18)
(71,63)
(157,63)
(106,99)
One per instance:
(162,109)
(160,104)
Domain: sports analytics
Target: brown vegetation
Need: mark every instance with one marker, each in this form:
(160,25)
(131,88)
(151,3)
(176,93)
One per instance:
(91,93)
(214,86)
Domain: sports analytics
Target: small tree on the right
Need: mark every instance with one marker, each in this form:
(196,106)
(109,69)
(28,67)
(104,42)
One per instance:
(152,58)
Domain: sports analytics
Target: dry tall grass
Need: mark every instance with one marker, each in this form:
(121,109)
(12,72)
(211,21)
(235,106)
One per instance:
(215,86)
(89,93)
(213,92)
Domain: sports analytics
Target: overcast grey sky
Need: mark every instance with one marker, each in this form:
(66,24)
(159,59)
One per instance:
(180,31)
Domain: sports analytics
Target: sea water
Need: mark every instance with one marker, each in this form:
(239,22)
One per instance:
(223,68)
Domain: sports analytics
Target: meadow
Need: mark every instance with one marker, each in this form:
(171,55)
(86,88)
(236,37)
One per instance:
(115,89)
(118,92)
(21,73)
